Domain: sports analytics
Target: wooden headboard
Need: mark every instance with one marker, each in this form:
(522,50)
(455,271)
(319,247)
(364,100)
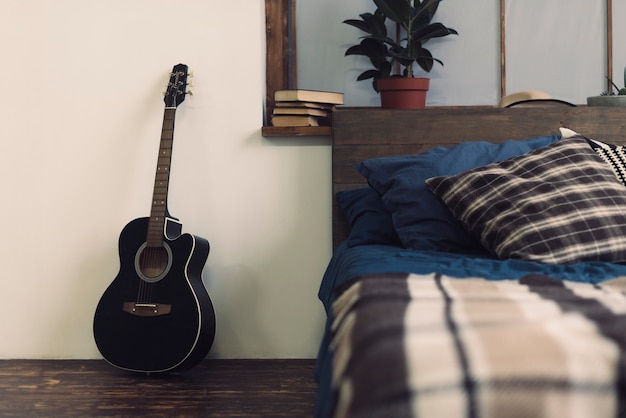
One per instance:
(362,133)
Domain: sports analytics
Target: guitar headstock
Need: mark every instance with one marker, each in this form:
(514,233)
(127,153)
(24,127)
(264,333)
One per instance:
(177,86)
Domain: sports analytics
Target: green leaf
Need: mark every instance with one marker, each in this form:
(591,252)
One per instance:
(426,60)
(434,30)
(425,11)
(397,10)
(367,75)
(359,24)
(375,50)
(377,25)
(355,50)
(369,23)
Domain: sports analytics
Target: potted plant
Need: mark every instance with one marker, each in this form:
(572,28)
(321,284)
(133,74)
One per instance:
(393,58)
(613,97)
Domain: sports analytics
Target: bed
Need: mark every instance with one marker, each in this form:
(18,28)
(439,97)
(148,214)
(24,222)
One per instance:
(479,264)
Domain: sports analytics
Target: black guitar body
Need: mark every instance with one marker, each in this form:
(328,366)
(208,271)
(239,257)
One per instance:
(155,321)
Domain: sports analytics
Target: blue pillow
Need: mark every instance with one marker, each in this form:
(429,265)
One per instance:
(420,219)
(370,222)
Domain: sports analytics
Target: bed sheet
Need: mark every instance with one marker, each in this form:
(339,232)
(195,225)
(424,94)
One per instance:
(350,263)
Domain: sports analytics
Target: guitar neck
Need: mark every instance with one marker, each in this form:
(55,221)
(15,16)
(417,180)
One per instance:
(158,211)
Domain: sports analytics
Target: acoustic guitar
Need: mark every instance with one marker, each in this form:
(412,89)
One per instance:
(156,316)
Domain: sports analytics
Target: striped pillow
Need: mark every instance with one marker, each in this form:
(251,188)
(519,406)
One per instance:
(557,204)
(614,155)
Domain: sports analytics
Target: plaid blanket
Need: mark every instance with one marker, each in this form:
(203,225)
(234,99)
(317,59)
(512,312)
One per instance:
(409,345)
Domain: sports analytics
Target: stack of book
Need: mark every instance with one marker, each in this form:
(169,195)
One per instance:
(304,107)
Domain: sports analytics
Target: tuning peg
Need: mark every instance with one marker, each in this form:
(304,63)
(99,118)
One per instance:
(189,92)
(190,83)
(190,74)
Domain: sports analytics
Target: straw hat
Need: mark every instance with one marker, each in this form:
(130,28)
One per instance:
(531,98)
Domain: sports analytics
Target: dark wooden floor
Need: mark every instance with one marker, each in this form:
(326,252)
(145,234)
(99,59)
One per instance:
(215,388)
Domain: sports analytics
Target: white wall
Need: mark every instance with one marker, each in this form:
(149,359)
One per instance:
(82,111)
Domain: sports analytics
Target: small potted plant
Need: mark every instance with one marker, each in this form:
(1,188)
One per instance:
(393,58)
(612,97)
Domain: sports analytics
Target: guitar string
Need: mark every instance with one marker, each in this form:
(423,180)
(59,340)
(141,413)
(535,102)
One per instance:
(142,282)
(155,262)
(154,255)
(148,262)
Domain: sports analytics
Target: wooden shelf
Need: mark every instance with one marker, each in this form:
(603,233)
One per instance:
(297,131)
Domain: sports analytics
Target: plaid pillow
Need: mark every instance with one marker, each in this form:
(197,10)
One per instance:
(557,204)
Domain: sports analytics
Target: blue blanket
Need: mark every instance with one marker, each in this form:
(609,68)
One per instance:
(348,263)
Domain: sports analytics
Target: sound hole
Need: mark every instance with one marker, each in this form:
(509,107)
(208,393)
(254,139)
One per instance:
(153,263)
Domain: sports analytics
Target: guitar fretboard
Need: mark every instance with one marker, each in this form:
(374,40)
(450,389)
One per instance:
(161,181)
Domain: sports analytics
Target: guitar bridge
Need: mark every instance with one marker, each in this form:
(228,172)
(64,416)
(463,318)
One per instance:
(147,309)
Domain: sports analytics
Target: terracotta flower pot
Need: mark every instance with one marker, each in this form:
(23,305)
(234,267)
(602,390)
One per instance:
(403,92)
